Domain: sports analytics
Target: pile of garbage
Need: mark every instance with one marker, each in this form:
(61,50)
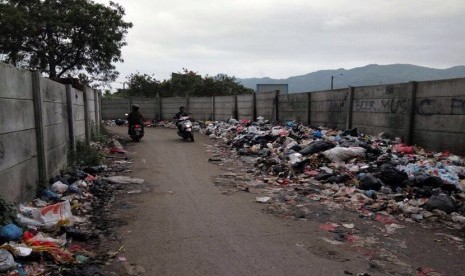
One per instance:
(124,122)
(60,231)
(376,175)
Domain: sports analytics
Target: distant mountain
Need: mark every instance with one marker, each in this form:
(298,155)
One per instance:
(372,74)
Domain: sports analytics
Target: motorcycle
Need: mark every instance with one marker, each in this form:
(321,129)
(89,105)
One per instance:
(185,128)
(135,132)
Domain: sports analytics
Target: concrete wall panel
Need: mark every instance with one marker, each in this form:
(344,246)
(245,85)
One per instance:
(201,108)
(441,141)
(330,95)
(293,107)
(56,159)
(245,107)
(224,108)
(78,97)
(19,182)
(443,123)
(56,135)
(445,88)
(55,113)
(380,120)
(14,83)
(381,91)
(16,115)
(266,105)
(17,147)
(148,108)
(53,91)
(170,106)
(80,130)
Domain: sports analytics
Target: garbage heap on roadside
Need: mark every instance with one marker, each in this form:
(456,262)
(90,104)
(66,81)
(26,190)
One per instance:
(58,233)
(375,175)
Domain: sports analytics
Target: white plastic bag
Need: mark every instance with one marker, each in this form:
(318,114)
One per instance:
(59,187)
(339,154)
(47,217)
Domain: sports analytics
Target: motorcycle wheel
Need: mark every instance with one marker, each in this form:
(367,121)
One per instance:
(191,136)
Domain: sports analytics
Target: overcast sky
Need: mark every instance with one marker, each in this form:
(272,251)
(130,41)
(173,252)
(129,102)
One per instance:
(278,39)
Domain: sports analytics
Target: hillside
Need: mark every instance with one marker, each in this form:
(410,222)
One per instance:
(372,74)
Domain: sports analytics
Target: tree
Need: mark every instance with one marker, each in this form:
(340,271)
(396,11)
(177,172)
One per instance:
(182,84)
(62,37)
(143,85)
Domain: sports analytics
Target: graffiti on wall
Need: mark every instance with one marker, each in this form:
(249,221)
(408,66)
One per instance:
(395,105)
(441,106)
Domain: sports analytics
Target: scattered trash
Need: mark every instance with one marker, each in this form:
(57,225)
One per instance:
(121,179)
(6,260)
(348,225)
(377,176)
(263,199)
(10,232)
(47,217)
(65,224)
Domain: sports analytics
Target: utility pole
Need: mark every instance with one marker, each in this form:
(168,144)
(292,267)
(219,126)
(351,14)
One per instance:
(332,79)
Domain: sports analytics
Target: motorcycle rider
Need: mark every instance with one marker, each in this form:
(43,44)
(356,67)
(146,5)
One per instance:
(135,117)
(180,114)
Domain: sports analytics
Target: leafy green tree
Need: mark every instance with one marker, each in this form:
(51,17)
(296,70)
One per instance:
(63,37)
(185,84)
(143,85)
(182,84)
(224,85)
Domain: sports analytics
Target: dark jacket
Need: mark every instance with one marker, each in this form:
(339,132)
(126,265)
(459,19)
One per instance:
(135,117)
(180,114)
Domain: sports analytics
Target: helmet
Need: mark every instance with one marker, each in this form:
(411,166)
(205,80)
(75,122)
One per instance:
(135,107)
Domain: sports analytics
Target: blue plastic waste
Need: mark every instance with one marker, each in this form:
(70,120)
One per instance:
(48,195)
(11,232)
(317,134)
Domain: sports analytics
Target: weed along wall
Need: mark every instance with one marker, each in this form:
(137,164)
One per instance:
(40,120)
(430,114)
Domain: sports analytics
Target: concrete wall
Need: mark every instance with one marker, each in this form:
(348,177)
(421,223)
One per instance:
(78,114)
(55,122)
(439,118)
(430,114)
(114,108)
(381,108)
(266,105)
(170,106)
(224,107)
(148,107)
(18,149)
(39,119)
(294,107)
(245,107)
(201,107)
(329,108)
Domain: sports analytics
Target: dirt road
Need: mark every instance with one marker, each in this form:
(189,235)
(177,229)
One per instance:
(185,226)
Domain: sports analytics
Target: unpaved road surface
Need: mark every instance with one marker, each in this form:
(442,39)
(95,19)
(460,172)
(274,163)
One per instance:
(186,226)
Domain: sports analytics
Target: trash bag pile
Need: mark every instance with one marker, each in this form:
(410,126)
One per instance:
(375,175)
(59,232)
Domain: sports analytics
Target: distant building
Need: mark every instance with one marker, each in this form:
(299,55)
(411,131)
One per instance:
(283,88)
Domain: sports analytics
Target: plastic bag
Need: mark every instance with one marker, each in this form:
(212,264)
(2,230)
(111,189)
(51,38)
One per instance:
(47,217)
(6,260)
(59,187)
(339,154)
(11,232)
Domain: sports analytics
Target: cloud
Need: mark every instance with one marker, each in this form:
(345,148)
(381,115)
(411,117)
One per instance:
(284,38)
